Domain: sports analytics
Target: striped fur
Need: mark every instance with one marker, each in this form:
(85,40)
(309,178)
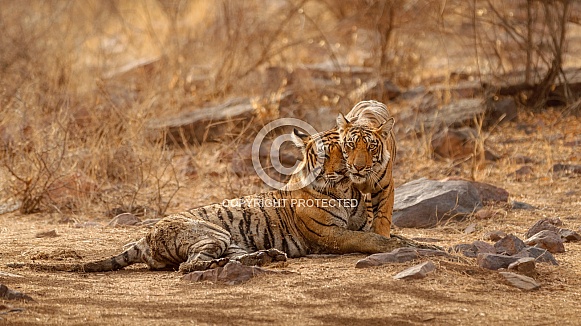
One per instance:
(206,237)
(369,149)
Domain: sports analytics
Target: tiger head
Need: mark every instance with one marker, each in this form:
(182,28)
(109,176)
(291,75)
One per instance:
(322,158)
(364,148)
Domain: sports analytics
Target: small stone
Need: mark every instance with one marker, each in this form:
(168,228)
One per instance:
(47,234)
(124,219)
(8,294)
(522,159)
(569,235)
(416,272)
(522,172)
(467,249)
(540,255)
(232,273)
(521,205)
(551,224)
(494,261)
(495,235)
(525,265)
(472,250)
(567,168)
(521,281)
(547,240)
(470,229)
(484,214)
(89,224)
(509,245)
(399,255)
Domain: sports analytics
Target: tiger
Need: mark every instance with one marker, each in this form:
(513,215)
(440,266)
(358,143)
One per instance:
(369,148)
(246,230)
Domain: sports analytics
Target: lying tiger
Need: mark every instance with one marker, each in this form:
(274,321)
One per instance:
(246,230)
(368,143)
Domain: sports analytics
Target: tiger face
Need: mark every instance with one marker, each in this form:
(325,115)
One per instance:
(323,157)
(363,148)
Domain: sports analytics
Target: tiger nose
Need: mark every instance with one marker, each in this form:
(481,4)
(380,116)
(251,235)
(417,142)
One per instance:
(359,167)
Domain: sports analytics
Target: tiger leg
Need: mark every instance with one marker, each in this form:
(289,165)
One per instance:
(382,202)
(261,257)
(206,253)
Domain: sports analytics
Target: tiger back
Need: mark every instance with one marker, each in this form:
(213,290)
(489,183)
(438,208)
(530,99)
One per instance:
(368,143)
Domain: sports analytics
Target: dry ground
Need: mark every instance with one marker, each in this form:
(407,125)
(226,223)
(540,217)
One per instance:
(323,290)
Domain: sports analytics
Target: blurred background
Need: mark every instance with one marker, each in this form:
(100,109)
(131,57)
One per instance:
(146,106)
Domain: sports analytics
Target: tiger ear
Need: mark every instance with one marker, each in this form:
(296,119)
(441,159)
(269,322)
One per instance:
(385,129)
(342,123)
(299,138)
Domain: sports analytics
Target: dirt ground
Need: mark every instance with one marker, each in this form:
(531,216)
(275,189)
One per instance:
(322,290)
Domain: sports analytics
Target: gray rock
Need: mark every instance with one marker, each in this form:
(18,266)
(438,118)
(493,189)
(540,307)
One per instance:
(525,265)
(540,255)
(509,245)
(425,203)
(551,224)
(416,272)
(473,249)
(124,219)
(547,240)
(232,273)
(494,261)
(567,168)
(521,281)
(521,205)
(47,234)
(569,235)
(8,294)
(399,255)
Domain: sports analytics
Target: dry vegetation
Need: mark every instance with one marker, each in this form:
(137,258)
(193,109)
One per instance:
(80,83)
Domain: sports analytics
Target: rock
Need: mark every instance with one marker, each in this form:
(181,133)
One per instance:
(494,235)
(569,235)
(232,273)
(521,159)
(547,240)
(47,234)
(454,143)
(540,255)
(525,265)
(425,203)
(416,272)
(89,224)
(521,281)
(566,168)
(207,124)
(550,224)
(523,172)
(7,294)
(470,228)
(124,219)
(520,205)
(509,245)
(494,261)
(6,274)
(489,194)
(473,249)
(399,255)
(484,214)
(286,155)
(501,111)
